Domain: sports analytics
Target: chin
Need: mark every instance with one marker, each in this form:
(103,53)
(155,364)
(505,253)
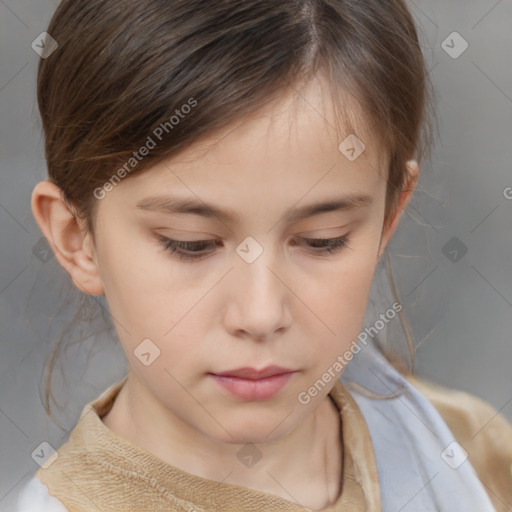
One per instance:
(252,429)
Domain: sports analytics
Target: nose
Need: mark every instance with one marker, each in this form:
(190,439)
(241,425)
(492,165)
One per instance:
(258,303)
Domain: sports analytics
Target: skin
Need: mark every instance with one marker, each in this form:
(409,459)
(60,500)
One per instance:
(291,307)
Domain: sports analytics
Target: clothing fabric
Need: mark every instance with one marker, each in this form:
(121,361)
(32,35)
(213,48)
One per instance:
(398,454)
(422,466)
(98,470)
(35,497)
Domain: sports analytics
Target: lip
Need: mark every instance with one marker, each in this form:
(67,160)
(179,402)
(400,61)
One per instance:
(252,373)
(253,389)
(271,380)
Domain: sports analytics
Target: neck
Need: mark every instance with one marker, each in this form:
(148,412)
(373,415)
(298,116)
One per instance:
(303,466)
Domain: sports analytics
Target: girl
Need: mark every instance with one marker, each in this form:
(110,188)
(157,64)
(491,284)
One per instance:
(228,175)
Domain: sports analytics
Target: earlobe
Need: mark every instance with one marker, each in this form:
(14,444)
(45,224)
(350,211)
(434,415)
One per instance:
(71,245)
(405,196)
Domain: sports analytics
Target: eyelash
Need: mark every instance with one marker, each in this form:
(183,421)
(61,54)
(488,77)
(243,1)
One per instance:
(334,245)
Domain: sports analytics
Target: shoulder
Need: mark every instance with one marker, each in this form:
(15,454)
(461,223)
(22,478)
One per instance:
(482,431)
(34,497)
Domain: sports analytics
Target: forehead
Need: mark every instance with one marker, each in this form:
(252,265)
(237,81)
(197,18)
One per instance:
(294,117)
(293,146)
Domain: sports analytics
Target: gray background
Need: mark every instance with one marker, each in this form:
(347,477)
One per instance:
(459,310)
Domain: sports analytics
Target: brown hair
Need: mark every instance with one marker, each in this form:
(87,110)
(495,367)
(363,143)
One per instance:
(124,67)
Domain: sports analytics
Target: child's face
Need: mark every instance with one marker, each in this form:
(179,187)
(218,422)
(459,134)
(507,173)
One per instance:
(291,306)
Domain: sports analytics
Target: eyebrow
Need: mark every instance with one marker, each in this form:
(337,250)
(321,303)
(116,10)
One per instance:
(177,205)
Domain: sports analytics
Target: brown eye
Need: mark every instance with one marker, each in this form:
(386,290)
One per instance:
(190,250)
(327,245)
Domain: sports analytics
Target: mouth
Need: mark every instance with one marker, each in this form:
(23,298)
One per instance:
(250,384)
(254,374)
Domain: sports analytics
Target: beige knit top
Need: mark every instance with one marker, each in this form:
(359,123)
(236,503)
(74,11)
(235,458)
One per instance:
(96,469)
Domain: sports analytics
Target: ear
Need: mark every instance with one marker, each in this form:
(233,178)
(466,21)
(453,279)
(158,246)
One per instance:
(72,246)
(405,196)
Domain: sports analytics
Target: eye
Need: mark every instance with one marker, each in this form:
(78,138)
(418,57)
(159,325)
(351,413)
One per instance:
(327,245)
(195,249)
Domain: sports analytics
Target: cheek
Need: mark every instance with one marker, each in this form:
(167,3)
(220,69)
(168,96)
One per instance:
(339,295)
(150,296)
(137,280)
(342,300)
